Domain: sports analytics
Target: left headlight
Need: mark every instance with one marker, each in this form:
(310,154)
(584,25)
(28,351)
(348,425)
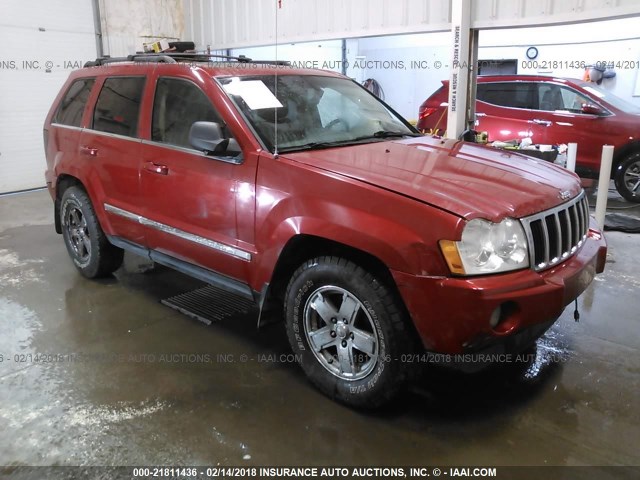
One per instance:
(487,247)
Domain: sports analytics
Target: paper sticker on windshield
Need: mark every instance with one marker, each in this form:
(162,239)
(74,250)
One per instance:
(255,94)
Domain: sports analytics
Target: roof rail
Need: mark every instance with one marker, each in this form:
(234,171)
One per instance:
(130,58)
(171,57)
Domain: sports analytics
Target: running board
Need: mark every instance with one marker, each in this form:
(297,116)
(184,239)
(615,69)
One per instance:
(203,274)
(210,304)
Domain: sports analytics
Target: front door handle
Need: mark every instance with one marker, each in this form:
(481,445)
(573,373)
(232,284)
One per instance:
(155,168)
(91,152)
(542,122)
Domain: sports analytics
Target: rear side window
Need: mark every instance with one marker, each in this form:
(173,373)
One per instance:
(72,106)
(509,94)
(118,106)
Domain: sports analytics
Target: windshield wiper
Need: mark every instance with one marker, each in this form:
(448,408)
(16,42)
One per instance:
(390,134)
(314,145)
(351,141)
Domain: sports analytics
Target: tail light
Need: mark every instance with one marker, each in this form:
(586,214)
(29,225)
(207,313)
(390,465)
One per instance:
(426,111)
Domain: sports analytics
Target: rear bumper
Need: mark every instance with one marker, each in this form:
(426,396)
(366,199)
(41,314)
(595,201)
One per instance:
(452,315)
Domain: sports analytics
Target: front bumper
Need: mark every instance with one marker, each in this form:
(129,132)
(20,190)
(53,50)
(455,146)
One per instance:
(452,314)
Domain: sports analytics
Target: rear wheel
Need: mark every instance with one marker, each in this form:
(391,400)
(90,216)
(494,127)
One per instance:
(627,178)
(86,243)
(348,331)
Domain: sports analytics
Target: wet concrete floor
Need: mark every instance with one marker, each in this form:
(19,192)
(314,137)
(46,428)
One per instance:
(100,373)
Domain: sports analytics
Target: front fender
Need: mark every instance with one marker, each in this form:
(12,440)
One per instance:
(396,245)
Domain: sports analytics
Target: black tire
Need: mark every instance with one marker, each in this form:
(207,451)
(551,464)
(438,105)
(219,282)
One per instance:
(627,178)
(88,246)
(376,324)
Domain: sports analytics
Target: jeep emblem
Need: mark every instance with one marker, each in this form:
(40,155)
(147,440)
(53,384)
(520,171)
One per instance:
(564,194)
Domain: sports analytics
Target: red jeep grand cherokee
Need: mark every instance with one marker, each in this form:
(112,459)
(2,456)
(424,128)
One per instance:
(376,242)
(554,111)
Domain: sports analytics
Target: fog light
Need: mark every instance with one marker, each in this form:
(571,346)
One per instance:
(505,318)
(495,317)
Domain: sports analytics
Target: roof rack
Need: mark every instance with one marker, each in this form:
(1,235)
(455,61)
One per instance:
(172,57)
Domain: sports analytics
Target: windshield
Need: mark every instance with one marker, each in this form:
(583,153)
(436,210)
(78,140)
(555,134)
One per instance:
(307,112)
(610,98)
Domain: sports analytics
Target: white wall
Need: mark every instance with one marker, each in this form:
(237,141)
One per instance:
(41,41)
(406,88)
(127,24)
(613,40)
(607,41)
(324,55)
(391,60)
(240,23)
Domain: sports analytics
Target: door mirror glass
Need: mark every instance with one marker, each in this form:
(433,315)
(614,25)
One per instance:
(207,136)
(591,109)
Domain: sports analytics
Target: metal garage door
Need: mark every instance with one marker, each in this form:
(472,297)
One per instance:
(41,41)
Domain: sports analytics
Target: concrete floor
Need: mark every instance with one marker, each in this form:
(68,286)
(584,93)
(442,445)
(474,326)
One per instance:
(100,373)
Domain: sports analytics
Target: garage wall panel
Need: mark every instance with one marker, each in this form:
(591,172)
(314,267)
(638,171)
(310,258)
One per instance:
(511,13)
(127,24)
(41,42)
(245,23)
(242,23)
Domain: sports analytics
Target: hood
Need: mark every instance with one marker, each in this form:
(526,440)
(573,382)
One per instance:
(465,179)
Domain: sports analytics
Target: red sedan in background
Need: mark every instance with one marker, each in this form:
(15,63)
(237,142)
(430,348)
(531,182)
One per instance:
(553,111)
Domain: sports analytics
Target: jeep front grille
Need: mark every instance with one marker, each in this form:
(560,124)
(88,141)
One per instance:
(556,234)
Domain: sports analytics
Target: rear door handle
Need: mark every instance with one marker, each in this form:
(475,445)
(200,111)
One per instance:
(91,152)
(155,168)
(542,122)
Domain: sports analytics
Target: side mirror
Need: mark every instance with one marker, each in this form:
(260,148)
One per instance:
(207,136)
(591,109)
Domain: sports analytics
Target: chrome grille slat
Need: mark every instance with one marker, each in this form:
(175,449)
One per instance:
(556,234)
(580,220)
(585,206)
(545,240)
(576,226)
(556,220)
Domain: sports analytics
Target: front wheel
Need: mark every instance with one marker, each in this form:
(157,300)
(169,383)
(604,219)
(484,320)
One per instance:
(627,178)
(348,332)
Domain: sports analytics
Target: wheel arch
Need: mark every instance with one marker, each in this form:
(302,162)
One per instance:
(63,182)
(623,152)
(303,247)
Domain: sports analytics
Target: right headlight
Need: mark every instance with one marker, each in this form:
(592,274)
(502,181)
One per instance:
(487,247)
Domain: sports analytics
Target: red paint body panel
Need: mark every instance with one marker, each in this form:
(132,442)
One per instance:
(590,132)
(465,179)
(393,200)
(452,313)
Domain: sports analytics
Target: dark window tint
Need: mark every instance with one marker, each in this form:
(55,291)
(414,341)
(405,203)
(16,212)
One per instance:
(509,94)
(118,106)
(177,105)
(497,67)
(72,105)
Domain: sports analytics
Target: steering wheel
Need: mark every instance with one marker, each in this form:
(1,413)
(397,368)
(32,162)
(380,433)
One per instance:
(338,121)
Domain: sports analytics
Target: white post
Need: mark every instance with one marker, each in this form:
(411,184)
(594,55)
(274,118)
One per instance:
(603,184)
(459,73)
(572,150)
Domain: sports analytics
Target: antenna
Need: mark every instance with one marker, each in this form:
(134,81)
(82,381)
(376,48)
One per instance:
(275,109)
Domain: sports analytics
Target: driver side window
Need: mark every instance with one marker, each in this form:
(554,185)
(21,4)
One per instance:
(177,105)
(555,98)
(573,101)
